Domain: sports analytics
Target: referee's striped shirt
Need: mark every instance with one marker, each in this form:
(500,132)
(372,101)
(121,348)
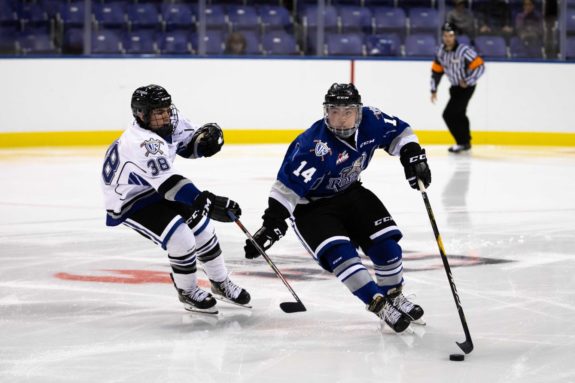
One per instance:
(460,63)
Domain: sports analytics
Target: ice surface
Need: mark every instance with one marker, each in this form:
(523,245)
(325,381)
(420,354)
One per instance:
(80,302)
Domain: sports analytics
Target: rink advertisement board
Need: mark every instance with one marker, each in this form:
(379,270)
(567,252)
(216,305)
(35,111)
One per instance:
(86,101)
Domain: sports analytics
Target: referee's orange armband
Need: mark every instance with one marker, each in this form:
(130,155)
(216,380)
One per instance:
(436,67)
(475,63)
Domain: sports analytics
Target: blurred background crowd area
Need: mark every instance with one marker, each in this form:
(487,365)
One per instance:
(499,29)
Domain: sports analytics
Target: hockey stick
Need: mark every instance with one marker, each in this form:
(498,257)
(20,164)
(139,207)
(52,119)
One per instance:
(287,307)
(466,346)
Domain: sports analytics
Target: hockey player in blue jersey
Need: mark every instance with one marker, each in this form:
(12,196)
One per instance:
(318,187)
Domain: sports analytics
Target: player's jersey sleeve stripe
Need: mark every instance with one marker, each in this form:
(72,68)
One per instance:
(398,142)
(285,196)
(178,188)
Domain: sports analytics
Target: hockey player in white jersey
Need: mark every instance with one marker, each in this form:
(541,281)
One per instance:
(143,191)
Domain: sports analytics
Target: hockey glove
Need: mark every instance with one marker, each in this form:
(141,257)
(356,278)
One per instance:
(207,140)
(216,207)
(272,230)
(414,162)
(266,236)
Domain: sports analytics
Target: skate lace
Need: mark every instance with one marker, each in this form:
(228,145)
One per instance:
(390,314)
(197,294)
(230,288)
(402,303)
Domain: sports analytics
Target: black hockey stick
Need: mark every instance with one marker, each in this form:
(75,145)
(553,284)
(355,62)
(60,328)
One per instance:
(287,307)
(466,346)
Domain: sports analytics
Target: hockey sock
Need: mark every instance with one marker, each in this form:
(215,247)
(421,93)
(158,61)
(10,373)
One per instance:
(346,265)
(185,281)
(209,255)
(388,264)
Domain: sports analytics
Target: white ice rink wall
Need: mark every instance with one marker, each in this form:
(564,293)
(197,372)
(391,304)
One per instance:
(92,95)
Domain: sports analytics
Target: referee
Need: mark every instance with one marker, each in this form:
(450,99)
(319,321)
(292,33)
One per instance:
(463,68)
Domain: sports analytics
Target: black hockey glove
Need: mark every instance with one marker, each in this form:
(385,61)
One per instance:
(272,230)
(414,163)
(216,207)
(207,140)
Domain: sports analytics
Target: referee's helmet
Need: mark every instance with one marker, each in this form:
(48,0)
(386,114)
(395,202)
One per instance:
(449,27)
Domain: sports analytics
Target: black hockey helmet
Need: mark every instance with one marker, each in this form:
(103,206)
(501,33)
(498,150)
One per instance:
(339,95)
(150,97)
(342,94)
(448,27)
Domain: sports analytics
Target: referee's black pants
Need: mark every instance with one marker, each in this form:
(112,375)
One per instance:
(455,113)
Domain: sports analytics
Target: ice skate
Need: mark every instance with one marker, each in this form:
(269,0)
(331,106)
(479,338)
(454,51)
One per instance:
(197,300)
(228,291)
(400,302)
(383,308)
(459,148)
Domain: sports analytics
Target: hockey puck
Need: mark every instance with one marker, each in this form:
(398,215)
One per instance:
(457,357)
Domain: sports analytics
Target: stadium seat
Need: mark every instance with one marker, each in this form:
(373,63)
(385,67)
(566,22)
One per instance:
(32,14)
(279,43)
(570,49)
(345,44)
(109,15)
(214,41)
(8,36)
(106,42)
(274,17)
(140,42)
(423,20)
(175,42)
(309,18)
(570,21)
(71,14)
(177,16)
(463,39)
(243,17)
(215,17)
(420,45)
(389,20)
(355,18)
(143,16)
(36,44)
(383,45)
(521,49)
(491,46)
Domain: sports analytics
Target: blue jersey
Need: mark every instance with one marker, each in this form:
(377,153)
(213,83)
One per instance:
(319,164)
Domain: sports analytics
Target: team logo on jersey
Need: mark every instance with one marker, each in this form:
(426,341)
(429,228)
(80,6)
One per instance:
(376,112)
(152,146)
(321,149)
(348,175)
(341,157)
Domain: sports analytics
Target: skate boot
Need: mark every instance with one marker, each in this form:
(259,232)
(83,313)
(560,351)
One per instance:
(400,302)
(459,148)
(196,300)
(229,292)
(382,307)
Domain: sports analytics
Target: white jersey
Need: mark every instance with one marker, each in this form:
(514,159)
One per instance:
(137,164)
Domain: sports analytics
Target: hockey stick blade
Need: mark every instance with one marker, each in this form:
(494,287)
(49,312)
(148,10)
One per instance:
(287,307)
(466,346)
(292,307)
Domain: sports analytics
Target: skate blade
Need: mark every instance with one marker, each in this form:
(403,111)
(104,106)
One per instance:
(419,322)
(226,300)
(210,311)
